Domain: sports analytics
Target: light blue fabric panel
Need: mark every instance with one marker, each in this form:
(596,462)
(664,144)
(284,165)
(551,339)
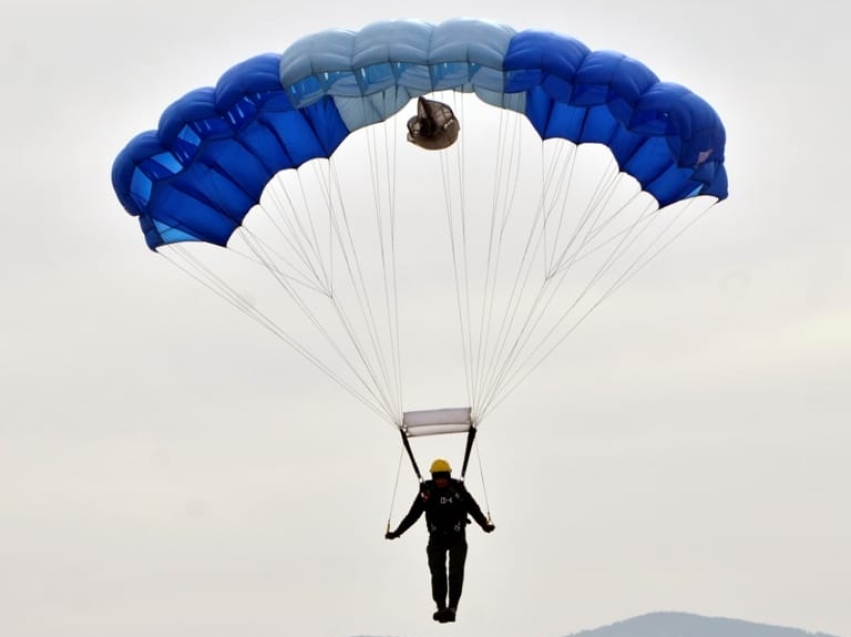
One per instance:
(397,61)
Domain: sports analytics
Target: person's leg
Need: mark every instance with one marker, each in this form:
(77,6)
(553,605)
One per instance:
(437,565)
(457,558)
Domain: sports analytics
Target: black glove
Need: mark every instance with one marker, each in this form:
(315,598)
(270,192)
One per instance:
(391,535)
(488,528)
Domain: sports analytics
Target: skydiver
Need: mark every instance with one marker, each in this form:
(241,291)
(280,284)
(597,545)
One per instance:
(446,503)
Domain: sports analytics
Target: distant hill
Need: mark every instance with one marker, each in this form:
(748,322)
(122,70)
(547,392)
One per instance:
(688,625)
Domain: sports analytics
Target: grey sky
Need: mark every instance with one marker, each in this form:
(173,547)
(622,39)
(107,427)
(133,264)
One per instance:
(170,469)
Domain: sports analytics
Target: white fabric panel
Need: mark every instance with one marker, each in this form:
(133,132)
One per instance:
(437,421)
(432,430)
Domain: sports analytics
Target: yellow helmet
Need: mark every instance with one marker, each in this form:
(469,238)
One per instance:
(440,466)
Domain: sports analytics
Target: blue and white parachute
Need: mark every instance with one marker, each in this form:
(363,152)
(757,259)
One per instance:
(533,238)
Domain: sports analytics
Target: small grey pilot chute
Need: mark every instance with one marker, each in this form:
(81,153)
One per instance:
(434,127)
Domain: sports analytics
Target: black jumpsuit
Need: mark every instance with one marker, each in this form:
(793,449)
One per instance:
(446,511)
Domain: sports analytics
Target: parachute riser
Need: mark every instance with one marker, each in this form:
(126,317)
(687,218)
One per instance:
(407,445)
(468,448)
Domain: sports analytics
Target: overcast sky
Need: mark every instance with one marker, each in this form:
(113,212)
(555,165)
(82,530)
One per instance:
(168,468)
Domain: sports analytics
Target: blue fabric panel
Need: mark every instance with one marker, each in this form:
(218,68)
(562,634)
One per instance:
(652,128)
(199,174)
(713,176)
(186,207)
(624,144)
(673,184)
(651,114)
(160,233)
(558,88)
(630,80)
(704,131)
(593,80)
(195,105)
(557,119)
(241,177)
(600,126)
(299,139)
(262,140)
(133,189)
(649,161)
(254,76)
(324,119)
(534,52)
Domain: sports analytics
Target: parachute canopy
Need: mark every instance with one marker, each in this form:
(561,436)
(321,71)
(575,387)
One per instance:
(530,256)
(199,174)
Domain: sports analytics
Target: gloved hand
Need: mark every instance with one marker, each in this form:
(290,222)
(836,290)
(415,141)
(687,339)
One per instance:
(488,528)
(391,535)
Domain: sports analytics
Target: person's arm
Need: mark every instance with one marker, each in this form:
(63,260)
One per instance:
(476,512)
(408,521)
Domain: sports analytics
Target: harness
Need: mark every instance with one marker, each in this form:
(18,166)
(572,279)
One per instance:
(444,509)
